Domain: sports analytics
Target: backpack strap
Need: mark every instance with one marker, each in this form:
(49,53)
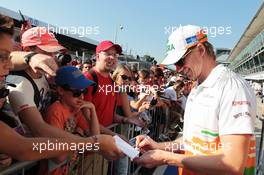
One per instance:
(95,79)
(95,86)
(35,87)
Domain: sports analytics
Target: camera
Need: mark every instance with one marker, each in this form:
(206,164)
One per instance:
(4,92)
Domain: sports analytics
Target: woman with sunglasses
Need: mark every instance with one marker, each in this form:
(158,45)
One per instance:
(122,76)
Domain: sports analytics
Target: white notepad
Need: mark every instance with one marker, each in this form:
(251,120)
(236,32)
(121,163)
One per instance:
(126,148)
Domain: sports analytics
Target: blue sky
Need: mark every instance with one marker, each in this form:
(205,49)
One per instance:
(146,23)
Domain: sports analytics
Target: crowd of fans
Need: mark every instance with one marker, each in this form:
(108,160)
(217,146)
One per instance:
(47,95)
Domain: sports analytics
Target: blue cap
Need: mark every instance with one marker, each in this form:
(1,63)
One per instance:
(73,77)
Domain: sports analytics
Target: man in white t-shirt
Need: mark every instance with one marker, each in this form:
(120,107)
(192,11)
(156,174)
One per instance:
(218,134)
(30,97)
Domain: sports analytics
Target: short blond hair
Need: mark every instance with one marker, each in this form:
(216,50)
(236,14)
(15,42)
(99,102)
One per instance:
(120,68)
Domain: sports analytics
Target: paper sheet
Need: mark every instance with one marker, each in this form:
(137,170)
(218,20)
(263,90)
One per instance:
(126,148)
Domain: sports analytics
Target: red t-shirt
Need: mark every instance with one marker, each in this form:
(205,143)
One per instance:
(59,116)
(103,99)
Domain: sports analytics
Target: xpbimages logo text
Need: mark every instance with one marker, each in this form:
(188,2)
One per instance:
(115,88)
(211,31)
(61,146)
(81,31)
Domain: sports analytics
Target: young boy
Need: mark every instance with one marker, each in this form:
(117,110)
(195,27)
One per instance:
(71,114)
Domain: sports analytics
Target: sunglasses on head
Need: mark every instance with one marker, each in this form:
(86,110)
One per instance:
(125,77)
(75,92)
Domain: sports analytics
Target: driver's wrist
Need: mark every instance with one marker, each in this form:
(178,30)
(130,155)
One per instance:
(159,146)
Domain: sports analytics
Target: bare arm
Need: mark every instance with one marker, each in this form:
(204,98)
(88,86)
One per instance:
(126,106)
(173,146)
(145,143)
(18,61)
(33,119)
(230,160)
(21,148)
(137,104)
(107,131)
(37,62)
(91,117)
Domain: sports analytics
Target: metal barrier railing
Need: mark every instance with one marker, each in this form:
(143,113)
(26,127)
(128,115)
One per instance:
(18,168)
(160,120)
(260,152)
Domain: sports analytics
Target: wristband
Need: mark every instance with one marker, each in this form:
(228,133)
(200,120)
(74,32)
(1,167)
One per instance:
(28,57)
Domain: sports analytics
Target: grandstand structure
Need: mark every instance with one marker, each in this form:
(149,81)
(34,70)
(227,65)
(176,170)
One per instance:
(247,57)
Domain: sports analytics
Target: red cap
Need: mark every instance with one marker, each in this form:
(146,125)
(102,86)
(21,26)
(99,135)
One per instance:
(105,45)
(74,63)
(42,38)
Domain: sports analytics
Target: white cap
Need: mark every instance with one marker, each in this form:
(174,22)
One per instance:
(180,40)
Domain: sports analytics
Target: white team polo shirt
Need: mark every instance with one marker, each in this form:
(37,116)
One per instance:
(223,104)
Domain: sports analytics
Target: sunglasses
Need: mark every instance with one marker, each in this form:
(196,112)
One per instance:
(75,92)
(125,77)
(181,62)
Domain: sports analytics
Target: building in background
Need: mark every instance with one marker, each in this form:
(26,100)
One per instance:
(72,39)
(247,57)
(222,55)
(78,45)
